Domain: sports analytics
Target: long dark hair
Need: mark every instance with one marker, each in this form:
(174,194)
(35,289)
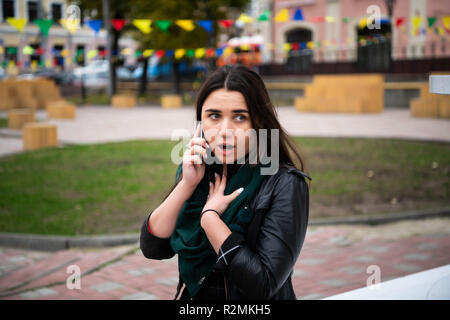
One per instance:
(262,111)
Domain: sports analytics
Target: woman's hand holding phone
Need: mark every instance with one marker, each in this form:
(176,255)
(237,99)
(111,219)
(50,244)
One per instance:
(193,159)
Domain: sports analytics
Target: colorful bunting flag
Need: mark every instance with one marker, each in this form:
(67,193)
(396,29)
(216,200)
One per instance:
(330,19)
(416,21)
(200,53)
(298,15)
(226,23)
(186,25)
(179,53)
(118,24)
(163,25)
(282,16)
(446,21)
(148,52)
(92,53)
(431,21)
(27,50)
(206,24)
(399,21)
(144,25)
(265,16)
(44,25)
(95,25)
(243,18)
(70,25)
(17,23)
(160,53)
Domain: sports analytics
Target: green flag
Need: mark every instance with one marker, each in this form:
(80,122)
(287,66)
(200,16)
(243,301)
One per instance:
(163,24)
(265,16)
(431,21)
(44,25)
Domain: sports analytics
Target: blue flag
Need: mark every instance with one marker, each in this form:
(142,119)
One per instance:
(298,15)
(95,25)
(206,24)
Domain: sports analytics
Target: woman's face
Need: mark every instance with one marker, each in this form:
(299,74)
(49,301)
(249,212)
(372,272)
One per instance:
(226,119)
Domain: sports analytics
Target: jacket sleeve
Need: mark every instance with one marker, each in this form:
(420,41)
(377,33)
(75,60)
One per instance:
(154,247)
(260,273)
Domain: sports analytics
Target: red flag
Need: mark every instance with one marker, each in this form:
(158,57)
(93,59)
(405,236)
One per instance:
(159,53)
(226,23)
(210,52)
(295,46)
(317,19)
(118,23)
(399,21)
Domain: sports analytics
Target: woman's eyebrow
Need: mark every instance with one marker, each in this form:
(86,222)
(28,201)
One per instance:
(234,111)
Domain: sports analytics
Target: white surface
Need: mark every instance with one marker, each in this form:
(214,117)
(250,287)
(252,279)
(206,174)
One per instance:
(433,284)
(440,84)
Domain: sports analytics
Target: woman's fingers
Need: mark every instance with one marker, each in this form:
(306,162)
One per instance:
(198,150)
(235,194)
(192,158)
(197,131)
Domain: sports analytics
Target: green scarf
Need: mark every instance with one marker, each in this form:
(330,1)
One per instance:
(196,256)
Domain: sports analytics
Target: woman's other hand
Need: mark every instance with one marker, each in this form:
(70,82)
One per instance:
(216,198)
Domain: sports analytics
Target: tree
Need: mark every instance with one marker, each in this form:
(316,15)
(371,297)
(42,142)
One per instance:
(174,37)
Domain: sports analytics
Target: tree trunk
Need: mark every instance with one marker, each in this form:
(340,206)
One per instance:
(176,77)
(143,83)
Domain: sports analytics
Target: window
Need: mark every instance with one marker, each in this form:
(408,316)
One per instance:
(56,12)
(32,11)
(8,9)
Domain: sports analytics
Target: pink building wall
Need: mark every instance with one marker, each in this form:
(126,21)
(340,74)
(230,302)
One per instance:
(405,45)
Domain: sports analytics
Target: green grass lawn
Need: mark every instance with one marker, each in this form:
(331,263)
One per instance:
(110,188)
(3,122)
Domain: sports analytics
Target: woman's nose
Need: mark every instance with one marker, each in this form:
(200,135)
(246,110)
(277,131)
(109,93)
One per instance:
(226,128)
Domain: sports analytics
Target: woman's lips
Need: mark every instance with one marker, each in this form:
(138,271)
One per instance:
(226,151)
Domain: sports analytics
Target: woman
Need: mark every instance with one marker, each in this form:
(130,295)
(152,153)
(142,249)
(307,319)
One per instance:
(237,232)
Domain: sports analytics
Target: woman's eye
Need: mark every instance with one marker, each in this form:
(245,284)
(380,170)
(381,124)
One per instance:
(212,115)
(242,117)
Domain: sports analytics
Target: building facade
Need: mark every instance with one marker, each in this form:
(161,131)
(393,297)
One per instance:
(60,49)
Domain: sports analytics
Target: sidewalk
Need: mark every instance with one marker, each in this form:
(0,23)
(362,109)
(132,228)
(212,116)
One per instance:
(98,124)
(334,259)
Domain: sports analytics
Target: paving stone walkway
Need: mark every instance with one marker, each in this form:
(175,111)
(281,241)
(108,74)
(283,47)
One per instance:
(99,124)
(334,259)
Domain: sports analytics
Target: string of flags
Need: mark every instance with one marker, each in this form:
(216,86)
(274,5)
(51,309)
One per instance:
(146,26)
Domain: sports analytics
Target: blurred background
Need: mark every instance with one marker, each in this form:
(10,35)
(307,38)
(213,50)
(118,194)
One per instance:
(91,92)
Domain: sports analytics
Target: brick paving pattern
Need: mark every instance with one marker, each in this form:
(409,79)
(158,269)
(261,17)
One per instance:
(330,262)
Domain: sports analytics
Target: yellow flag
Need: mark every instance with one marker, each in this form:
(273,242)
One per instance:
(362,23)
(446,21)
(200,53)
(187,25)
(310,44)
(287,46)
(126,51)
(48,63)
(1,50)
(282,16)
(244,47)
(245,18)
(144,25)
(228,51)
(17,23)
(416,24)
(65,53)
(148,52)
(71,25)
(330,19)
(179,53)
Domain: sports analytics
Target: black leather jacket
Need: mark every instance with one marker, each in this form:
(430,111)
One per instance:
(259,263)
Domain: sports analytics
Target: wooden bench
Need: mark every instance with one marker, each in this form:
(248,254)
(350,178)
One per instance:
(39,135)
(17,118)
(353,93)
(123,101)
(171,101)
(61,109)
